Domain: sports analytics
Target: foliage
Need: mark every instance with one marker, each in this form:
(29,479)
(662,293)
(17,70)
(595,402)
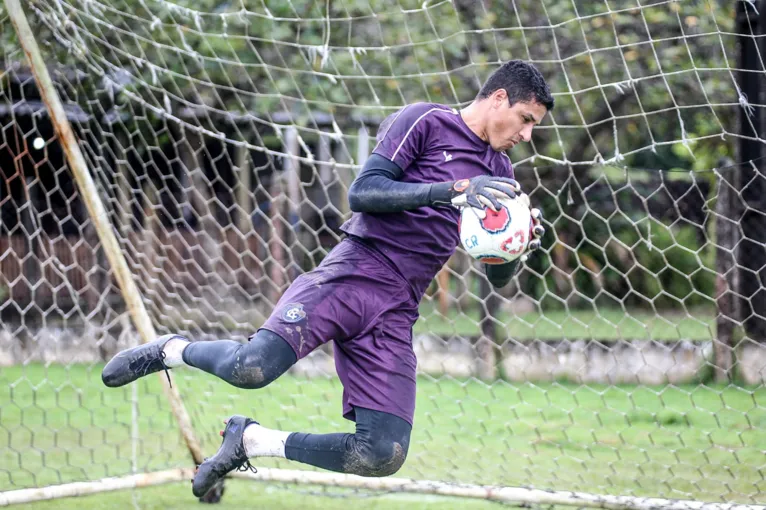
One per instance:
(638,86)
(370,57)
(630,238)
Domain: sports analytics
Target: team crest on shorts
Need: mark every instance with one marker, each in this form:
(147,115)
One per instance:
(293,312)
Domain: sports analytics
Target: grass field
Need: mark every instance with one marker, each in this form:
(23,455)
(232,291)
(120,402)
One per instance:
(606,324)
(59,424)
(611,324)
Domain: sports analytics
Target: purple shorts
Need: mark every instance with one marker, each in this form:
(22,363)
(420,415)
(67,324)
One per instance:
(356,298)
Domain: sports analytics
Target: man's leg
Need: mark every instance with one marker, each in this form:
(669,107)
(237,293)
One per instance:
(378,448)
(252,365)
(309,313)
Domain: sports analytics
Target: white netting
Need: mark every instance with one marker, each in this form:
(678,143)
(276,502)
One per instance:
(626,358)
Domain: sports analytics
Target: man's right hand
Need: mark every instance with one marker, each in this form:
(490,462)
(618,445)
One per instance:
(478,192)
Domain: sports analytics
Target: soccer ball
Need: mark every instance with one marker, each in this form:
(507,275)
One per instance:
(499,237)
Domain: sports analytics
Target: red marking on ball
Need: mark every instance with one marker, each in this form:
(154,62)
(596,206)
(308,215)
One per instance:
(496,221)
(518,236)
(492,260)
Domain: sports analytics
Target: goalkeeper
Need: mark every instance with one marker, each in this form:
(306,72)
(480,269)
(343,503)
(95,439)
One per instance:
(365,293)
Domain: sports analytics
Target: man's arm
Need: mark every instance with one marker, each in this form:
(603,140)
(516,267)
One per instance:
(378,189)
(500,275)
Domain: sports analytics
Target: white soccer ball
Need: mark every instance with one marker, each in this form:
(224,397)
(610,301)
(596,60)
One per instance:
(497,237)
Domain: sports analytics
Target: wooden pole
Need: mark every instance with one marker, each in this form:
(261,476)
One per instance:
(86,488)
(528,496)
(486,345)
(244,193)
(344,176)
(726,239)
(292,178)
(524,495)
(96,209)
(363,146)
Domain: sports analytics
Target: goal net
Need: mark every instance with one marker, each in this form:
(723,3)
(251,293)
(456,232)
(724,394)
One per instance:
(625,361)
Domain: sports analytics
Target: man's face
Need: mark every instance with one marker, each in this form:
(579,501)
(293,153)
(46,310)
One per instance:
(508,125)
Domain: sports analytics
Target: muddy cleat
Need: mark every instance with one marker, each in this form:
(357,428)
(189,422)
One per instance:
(215,494)
(130,364)
(230,456)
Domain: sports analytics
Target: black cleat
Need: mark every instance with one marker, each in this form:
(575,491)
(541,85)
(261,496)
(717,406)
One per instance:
(130,364)
(230,456)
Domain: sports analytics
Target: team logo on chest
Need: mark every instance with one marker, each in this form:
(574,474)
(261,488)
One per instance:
(293,312)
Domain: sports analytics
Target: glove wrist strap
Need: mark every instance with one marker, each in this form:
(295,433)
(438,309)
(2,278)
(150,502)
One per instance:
(441,193)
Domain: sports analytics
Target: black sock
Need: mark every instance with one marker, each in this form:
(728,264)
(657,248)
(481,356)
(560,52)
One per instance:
(378,448)
(252,365)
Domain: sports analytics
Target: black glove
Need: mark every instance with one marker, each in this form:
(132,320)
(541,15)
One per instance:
(538,231)
(479,192)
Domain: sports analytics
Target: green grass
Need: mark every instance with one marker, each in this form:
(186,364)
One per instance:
(606,324)
(603,324)
(59,424)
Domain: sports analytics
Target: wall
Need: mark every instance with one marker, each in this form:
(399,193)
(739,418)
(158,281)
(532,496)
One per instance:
(585,362)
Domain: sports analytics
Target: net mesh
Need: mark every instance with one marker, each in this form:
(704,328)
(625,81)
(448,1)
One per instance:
(626,357)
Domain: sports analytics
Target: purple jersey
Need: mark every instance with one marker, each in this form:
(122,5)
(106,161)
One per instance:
(431,143)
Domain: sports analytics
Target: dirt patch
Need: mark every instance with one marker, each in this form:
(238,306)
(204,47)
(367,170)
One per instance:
(363,465)
(247,376)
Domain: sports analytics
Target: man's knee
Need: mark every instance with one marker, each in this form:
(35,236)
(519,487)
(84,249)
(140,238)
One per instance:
(249,371)
(261,361)
(378,458)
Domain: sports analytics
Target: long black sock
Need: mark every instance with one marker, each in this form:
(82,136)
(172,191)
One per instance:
(378,448)
(252,365)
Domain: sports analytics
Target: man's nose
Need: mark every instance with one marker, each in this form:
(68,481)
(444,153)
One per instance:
(526,133)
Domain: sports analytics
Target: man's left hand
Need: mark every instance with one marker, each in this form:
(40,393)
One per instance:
(538,231)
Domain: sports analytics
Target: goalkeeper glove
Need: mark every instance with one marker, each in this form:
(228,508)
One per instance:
(538,231)
(478,192)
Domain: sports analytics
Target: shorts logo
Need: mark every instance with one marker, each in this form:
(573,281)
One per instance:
(293,312)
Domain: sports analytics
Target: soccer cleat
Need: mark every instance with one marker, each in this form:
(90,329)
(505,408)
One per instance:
(230,456)
(130,364)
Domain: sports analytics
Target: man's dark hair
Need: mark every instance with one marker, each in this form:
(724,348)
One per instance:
(521,81)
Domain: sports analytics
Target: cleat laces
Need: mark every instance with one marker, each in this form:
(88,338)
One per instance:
(246,466)
(147,364)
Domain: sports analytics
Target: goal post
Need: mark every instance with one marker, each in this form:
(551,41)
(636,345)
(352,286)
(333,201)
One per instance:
(98,215)
(172,166)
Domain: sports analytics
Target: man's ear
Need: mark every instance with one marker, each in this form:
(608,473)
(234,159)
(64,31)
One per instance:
(498,97)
